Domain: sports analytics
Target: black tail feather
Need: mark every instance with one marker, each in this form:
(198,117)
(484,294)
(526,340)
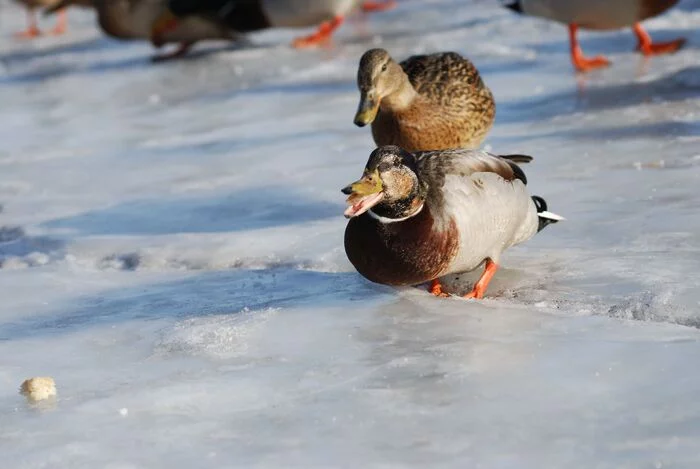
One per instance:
(517,158)
(516,6)
(541,206)
(513,161)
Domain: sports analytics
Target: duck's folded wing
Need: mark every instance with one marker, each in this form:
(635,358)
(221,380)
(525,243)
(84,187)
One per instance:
(438,164)
(445,77)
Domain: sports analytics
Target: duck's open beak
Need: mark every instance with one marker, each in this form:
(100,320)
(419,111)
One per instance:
(363,194)
(367,110)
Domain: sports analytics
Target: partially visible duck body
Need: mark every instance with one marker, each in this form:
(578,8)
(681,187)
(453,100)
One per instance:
(62,23)
(254,15)
(133,19)
(417,217)
(426,102)
(601,15)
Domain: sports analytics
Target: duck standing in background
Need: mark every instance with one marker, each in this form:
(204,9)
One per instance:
(133,19)
(426,102)
(417,217)
(62,24)
(253,15)
(601,15)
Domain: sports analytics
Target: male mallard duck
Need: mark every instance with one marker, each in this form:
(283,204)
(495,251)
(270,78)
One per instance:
(417,217)
(62,24)
(427,102)
(601,15)
(254,15)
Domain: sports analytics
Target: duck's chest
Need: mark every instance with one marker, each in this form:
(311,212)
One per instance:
(402,253)
(422,128)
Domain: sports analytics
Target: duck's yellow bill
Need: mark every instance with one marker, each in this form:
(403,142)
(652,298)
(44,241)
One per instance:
(366,111)
(363,194)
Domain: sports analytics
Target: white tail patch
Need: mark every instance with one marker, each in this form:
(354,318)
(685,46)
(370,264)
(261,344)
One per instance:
(550,216)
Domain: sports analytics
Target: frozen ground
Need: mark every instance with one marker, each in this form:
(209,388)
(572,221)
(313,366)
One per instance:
(171,254)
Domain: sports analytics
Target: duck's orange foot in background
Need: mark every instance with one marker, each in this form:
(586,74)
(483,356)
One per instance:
(32,30)
(647,47)
(580,62)
(323,34)
(373,5)
(436,289)
(29,33)
(62,24)
(483,282)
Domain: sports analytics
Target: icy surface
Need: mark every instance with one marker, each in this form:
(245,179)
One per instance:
(171,253)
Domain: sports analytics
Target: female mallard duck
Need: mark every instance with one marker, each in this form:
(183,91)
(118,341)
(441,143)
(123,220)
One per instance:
(427,102)
(253,15)
(62,24)
(601,15)
(417,217)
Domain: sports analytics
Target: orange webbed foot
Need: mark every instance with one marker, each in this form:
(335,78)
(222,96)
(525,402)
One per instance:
(322,35)
(661,47)
(480,286)
(29,33)
(373,6)
(585,64)
(436,289)
(580,62)
(59,30)
(647,47)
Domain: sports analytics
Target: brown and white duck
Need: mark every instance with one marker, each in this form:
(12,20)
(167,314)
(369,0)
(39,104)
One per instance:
(415,217)
(426,102)
(601,15)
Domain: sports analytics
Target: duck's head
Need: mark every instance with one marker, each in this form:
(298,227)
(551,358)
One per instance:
(377,77)
(389,186)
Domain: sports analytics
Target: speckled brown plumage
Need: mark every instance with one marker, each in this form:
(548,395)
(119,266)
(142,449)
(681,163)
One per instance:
(453,107)
(404,253)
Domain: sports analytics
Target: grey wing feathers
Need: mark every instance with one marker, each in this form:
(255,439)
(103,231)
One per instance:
(437,164)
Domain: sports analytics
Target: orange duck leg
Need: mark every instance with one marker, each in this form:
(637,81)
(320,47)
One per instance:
(323,34)
(62,23)
(647,47)
(579,61)
(483,282)
(32,30)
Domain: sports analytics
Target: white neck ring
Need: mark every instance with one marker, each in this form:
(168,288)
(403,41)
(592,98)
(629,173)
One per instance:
(381,219)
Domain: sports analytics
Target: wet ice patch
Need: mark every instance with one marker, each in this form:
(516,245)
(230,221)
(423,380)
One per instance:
(218,337)
(654,307)
(18,250)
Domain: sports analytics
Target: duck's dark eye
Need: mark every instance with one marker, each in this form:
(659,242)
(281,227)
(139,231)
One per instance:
(384,68)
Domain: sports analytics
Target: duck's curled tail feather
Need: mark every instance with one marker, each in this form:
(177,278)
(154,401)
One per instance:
(545,217)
